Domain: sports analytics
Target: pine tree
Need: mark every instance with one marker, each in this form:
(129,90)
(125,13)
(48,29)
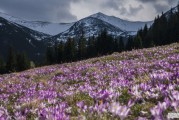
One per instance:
(56,52)
(145,30)
(115,45)
(121,45)
(105,43)
(60,57)
(70,50)
(50,56)
(91,47)
(137,42)
(2,66)
(145,41)
(130,44)
(102,42)
(23,62)
(11,61)
(82,49)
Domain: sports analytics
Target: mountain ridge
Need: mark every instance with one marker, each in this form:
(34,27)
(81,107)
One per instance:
(122,24)
(121,27)
(21,38)
(40,26)
(57,28)
(90,26)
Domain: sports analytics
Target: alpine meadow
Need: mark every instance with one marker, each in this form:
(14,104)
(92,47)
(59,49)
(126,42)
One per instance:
(89,60)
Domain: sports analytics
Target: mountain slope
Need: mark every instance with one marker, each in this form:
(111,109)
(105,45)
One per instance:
(45,27)
(93,25)
(90,26)
(21,39)
(56,28)
(141,84)
(125,25)
(173,10)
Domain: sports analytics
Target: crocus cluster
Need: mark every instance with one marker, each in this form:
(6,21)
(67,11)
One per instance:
(141,84)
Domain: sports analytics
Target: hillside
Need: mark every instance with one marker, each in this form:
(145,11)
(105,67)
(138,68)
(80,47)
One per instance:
(22,39)
(129,26)
(90,26)
(53,29)
(94,24)
(41,26)
(128,85)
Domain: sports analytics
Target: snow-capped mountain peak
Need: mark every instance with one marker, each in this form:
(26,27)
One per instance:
(95,23)
(90,26)
(130,26)
(99,15)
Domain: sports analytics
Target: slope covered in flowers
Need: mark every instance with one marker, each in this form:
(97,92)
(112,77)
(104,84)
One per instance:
(141,84)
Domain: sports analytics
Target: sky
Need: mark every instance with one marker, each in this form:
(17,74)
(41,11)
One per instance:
(72,10)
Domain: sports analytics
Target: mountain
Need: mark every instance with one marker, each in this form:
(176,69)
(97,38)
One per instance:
(29,36)
(56,28)
(41,26)
(125,25)
(90,26)
(21,39)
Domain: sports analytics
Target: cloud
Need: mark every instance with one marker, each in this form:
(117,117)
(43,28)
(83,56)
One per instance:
(160,5)
(71,10)
(135,10)
(123,7)
(113,4)
(49,10)
(117,5)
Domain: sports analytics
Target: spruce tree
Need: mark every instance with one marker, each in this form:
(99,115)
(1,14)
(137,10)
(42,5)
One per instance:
(137,42)
(91,47)
(82,48)
(23,62)
(60,55)
(130,44)
(116,45)
(70,50)
(2,66)
(50,56)
(11,61)
(121,45)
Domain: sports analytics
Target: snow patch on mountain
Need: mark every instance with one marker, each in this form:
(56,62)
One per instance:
(88,26)
(44,27)
(122,24)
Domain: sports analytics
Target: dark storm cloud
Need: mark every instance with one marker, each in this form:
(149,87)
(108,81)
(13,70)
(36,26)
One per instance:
(49,10)
(61,10)
(159,5)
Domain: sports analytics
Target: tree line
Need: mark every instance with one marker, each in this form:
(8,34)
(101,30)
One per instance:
(82,48)
(165,30)
(15,62)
